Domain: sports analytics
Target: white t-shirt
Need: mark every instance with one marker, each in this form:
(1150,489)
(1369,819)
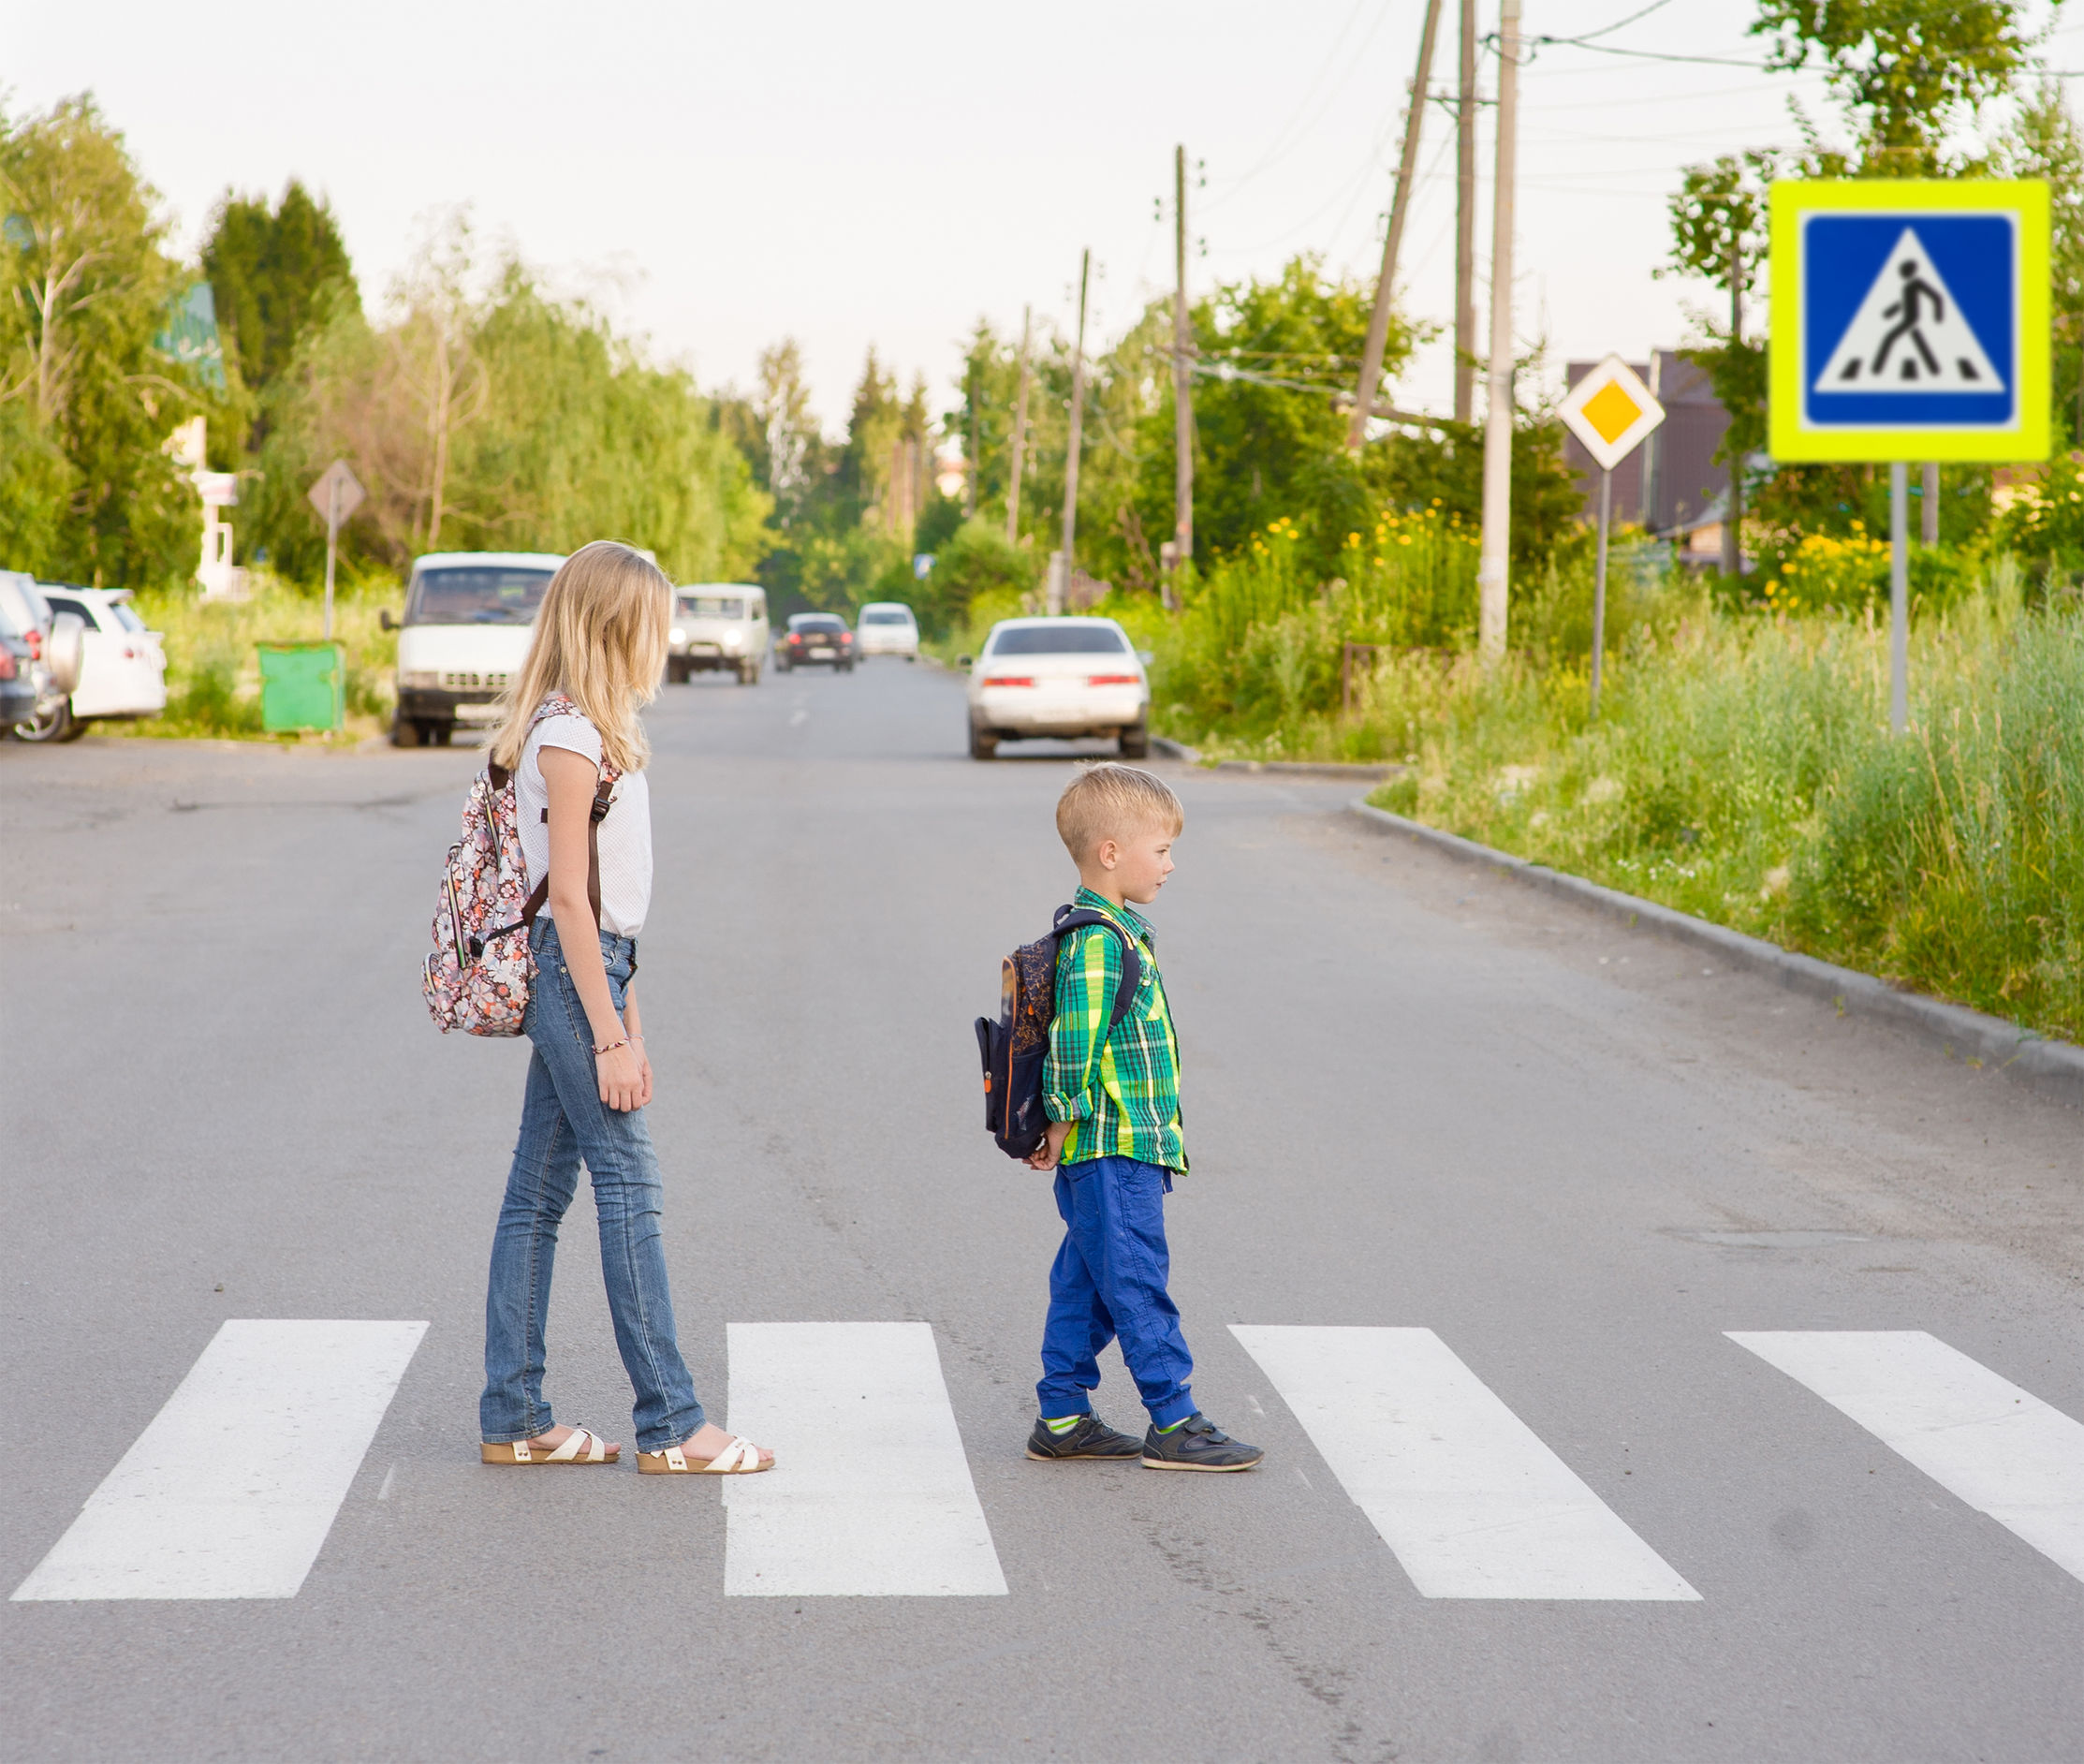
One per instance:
(625,834)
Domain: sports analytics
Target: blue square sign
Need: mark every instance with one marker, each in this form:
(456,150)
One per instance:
(1909,321)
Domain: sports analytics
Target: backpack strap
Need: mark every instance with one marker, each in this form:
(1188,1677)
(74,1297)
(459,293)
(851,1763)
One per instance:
(604,799)
(1070,918)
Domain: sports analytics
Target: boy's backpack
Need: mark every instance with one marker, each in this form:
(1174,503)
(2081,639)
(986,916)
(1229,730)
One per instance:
(479,975)
(1013,1048)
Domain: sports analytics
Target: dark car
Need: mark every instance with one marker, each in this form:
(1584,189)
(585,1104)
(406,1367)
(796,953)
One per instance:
(816,637)
(18,688)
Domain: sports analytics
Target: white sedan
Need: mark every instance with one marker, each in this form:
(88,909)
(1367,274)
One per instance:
(1062,678)
(123,669)
(888,628)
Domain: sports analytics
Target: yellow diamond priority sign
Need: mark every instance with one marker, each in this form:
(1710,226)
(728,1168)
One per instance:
(1611,412)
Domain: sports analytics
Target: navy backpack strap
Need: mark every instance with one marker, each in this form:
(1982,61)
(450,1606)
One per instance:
(1070,918)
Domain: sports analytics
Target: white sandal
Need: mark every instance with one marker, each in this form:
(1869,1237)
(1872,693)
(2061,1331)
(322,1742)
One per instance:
(596,1450)
(740,1458)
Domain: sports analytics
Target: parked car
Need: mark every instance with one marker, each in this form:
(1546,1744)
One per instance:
(887,628)
(718,625)
(54,643)
(1063,678)
(816,637)
(469,618)
(122,667)
(19,670)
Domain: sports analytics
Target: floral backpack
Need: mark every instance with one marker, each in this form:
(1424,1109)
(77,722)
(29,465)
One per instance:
(479,977)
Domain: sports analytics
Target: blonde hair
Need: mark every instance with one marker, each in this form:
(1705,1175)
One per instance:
(1107,801)
(600,639)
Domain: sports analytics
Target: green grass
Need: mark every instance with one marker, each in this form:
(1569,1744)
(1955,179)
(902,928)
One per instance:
(214,666)
(1742,769)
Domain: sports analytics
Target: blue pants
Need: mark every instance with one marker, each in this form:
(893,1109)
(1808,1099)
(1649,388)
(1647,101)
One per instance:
(1107,1281)
(562,1122)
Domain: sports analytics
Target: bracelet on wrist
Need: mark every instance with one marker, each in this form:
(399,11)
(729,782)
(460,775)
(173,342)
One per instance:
(612,1046)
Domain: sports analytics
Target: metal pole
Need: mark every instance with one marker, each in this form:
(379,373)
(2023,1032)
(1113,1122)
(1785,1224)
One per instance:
(1060,583)
(1378,320)
(333,538)
(1182,379)
(1497,439)
(1928,516)
(1599,583)
(1898,597)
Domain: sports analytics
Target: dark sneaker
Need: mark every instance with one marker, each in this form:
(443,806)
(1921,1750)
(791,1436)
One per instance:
(1197,1444)
(1090,1438)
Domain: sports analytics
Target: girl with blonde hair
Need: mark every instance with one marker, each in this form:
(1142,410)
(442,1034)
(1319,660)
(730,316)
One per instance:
(572,740)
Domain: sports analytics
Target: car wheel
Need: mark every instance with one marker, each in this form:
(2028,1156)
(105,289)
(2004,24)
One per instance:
(747,673)
(405,732)
(1136,742)
(676,671)
(441,733)
(75,727)
(51,725)
(982,746)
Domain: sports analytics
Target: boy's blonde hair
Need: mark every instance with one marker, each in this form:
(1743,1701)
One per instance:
(600,639)
(1107,801)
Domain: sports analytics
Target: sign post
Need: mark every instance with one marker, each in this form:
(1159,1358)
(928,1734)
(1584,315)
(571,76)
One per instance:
(336,495)
(1611,412)
(1910,322)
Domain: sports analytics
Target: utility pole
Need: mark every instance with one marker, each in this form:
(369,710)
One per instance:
(1182,376)
(1378,321)
(1060,581)
(1733,510)
(1928,515)
(1465,222)
(1020,434)
(1497,438)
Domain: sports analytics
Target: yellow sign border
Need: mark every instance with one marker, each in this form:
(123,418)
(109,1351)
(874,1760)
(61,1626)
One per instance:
(1789,440)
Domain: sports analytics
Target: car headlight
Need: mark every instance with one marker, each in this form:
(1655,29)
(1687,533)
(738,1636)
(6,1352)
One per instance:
(420,677)
(733,639)
(677,635)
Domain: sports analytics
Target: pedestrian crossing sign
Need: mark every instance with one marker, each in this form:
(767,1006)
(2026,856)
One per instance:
(1910,320)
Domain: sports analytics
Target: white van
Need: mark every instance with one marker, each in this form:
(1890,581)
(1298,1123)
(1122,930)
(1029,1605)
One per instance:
(469,618)
(718,625)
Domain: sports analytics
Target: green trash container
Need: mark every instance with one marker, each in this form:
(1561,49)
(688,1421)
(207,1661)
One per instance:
(302,686)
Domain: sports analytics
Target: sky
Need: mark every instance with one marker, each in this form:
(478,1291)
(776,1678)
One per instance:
(721,177)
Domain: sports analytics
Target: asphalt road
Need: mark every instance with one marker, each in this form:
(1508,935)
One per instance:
(1416,1100)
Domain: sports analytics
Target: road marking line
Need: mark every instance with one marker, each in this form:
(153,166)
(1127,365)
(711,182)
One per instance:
(230,1490)
(1472,1502)
(870,1495)
(2000,1448)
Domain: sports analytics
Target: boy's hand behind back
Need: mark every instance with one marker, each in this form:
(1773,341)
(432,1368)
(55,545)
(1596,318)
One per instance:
(1044,1156)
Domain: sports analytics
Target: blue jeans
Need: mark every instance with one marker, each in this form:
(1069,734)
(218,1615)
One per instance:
(1107,1281)
(563,1120)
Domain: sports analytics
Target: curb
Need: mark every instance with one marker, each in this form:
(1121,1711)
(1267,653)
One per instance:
(2055,1068)
(1279,767)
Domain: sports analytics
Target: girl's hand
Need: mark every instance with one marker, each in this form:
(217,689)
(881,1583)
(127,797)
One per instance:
(644,1069)
(625,1081)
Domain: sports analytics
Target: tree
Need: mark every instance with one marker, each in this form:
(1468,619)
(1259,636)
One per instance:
(1720,232)
(85,490)
(275,272)
(2044,143)
(1905,72)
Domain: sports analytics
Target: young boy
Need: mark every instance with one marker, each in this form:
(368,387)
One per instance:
(1113,1103)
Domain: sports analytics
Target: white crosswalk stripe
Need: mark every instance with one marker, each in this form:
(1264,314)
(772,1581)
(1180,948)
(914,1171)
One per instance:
(870,1495)
(1472,1502)
(2000,1448)
(230,1490)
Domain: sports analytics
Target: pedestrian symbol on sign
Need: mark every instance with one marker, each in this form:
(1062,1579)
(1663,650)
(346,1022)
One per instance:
(1909,334)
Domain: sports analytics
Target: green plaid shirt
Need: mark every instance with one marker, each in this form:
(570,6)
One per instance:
(1120,1091)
